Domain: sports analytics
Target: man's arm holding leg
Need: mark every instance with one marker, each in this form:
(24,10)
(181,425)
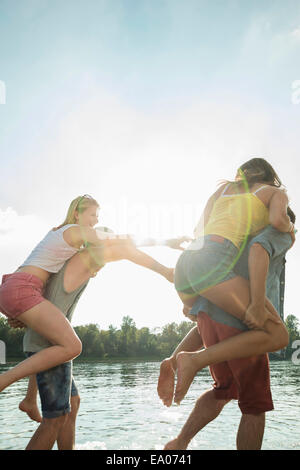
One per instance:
(258,311)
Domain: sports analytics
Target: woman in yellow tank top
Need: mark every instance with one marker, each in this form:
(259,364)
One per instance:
(234,212)
(237,216)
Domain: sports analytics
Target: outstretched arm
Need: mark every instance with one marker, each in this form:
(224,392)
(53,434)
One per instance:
(258,266)
(174,243)
(278,212)
(131,253)
(125,249)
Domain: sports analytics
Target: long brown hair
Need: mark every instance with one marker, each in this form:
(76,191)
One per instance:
(258,170)
(79,204)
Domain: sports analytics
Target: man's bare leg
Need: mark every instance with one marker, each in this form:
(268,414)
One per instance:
(251,432)
(66,435)
(29,404)
(207,409)
(232,296)
(46,434)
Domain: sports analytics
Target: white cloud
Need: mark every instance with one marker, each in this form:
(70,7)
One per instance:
(269,45)
(295,34)
(18,236)
(108,149)
(161,161)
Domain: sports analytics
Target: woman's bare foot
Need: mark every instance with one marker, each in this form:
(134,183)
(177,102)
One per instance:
(166,381)
(175,444)
(187,368)
(31,409)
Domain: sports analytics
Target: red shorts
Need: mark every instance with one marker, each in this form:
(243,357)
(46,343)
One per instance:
(246,380)
(19,292)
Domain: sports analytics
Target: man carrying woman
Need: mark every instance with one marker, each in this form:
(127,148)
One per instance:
(56,386)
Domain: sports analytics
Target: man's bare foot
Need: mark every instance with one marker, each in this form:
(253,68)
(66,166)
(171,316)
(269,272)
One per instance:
(166,381)
(175,445)
(187,368)
(31,409)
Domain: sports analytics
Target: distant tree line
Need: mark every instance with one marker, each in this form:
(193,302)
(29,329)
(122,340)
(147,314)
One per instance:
(127,341)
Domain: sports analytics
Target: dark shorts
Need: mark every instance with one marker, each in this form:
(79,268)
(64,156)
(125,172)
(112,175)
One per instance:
(209,260)
(20,292)
(246,380)
(56,386)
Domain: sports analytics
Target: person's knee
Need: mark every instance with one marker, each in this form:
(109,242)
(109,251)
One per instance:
(75,403)
(55,423)
(77,347)
(222,403)
(254,418)
(210,397)
(284,339)
(73,348)
(281,338)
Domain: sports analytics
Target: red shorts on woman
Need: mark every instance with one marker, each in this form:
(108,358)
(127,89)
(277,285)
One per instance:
(246,380)
(20,292)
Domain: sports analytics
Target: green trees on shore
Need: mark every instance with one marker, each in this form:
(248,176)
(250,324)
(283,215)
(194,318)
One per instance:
(128,340)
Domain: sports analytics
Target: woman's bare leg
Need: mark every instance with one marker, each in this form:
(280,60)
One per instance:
(232,296)
(48,321)
(166,381)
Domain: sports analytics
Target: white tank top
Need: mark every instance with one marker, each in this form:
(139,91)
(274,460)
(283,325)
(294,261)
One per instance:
(52,252)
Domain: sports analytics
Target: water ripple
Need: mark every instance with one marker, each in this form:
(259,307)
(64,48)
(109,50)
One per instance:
(120,410)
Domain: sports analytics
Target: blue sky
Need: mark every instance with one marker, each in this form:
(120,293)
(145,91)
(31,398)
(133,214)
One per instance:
(144,104)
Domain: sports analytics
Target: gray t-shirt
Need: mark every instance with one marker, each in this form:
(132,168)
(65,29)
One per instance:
(66,302)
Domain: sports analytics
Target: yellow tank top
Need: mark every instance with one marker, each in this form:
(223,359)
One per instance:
(236,216)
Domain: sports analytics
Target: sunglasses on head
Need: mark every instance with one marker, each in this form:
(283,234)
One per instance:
(85,196)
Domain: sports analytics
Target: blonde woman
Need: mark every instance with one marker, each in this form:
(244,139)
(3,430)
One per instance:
(21,293)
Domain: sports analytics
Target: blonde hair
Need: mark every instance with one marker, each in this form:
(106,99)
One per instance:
(79,204)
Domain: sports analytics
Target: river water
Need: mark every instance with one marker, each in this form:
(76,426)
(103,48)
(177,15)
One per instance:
(120,410)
